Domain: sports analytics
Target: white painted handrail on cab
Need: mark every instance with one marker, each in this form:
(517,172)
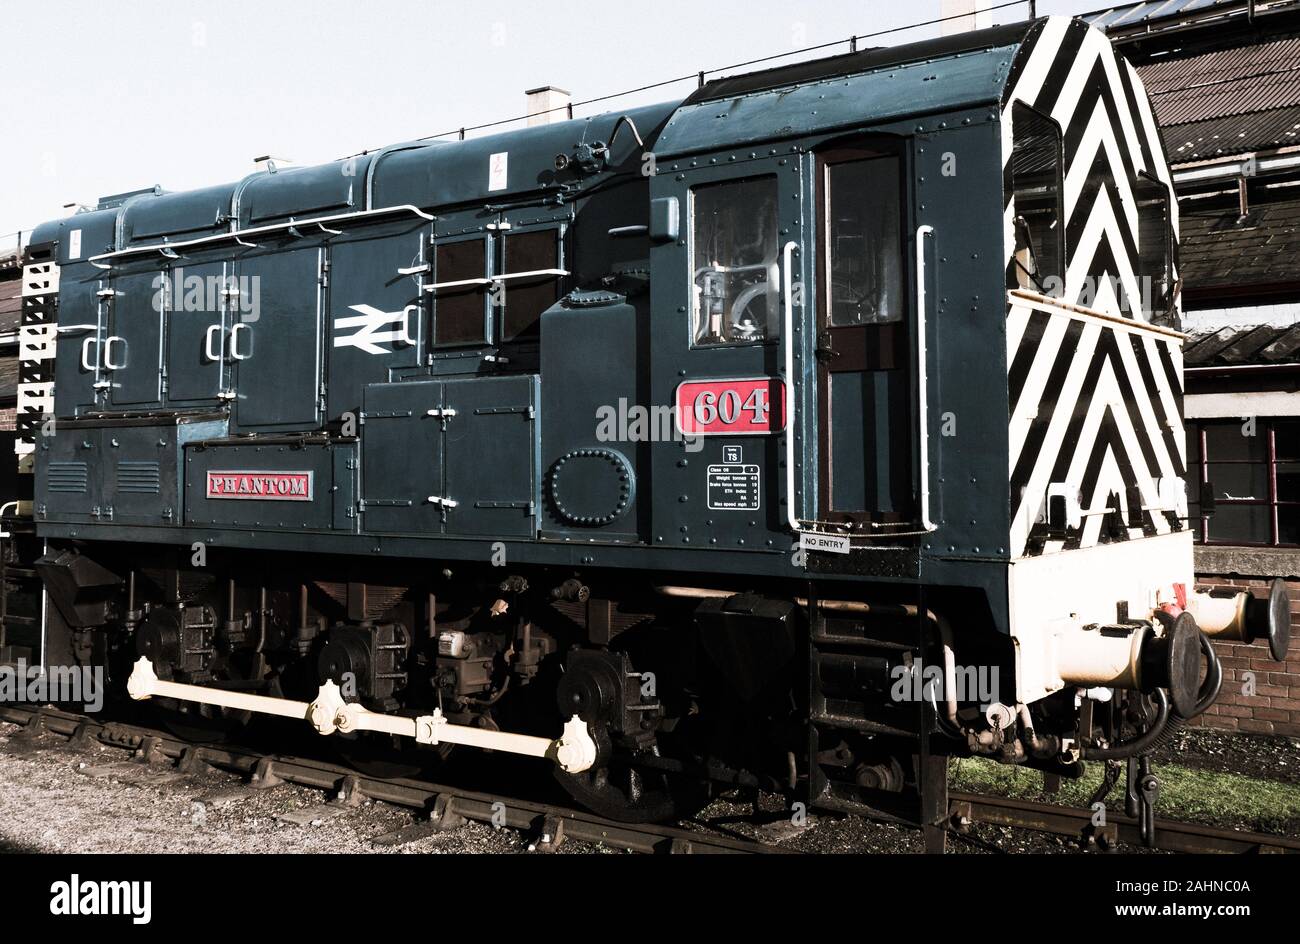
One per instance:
(922,407)
(169,249)
(504,277)
(787,286)
(86,365)
(234,341)
(108,352)
(209,337)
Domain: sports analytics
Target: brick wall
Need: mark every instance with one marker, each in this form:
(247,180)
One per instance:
(1274,708)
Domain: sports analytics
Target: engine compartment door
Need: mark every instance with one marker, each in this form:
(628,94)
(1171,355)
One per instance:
(275,340)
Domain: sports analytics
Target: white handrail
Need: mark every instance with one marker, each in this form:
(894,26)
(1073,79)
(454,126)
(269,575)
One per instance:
(4,510)
(504,277)
(535,273)
(787,280)
(86,365)
(434,286)
(234,341)
(207,343)
(270,228)
(922,407)
(108,352)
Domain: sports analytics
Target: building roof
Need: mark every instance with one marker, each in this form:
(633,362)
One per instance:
(1221,255)
(1154,17)
(1237,134)
(1130,15)
(1228,101)
(1236,347)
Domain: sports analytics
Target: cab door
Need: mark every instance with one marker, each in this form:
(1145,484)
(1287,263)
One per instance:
(729,349)
(863,339)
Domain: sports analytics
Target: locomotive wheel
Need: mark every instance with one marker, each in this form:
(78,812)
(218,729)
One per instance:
(625,792)
(210,723)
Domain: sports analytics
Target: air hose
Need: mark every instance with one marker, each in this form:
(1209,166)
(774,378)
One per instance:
(1168,722)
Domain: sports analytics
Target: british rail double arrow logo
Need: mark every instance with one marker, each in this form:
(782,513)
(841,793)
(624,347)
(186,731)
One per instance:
(370,321)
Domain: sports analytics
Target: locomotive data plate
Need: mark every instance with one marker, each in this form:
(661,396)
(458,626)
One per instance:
(260,486)
(733,487)
(752,406)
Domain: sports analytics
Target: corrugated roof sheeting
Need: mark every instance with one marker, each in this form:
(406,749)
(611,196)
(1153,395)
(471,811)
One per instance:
(1135,13)
(1171,75)
(1156,15)
(1230,82)
(1234,347)
(1202,140)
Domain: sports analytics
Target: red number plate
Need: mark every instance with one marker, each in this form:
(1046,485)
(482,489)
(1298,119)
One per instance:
(260,486)
(750,407)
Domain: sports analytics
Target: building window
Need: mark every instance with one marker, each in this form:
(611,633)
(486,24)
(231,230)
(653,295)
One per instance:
(1253,468)
(1155,247)
(1036,191)
(736,271)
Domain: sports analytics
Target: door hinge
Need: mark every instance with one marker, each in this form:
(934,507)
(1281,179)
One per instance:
(494,410)
(383,415)
(365,503)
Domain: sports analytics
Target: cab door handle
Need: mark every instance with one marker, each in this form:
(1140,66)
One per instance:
(825,350)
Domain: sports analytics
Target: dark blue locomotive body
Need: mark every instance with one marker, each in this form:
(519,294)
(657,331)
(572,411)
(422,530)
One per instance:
(823,370)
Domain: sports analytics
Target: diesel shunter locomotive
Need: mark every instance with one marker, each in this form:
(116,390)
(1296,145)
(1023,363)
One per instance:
(796,436)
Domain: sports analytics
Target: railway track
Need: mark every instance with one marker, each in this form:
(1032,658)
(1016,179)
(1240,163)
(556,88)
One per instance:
(1170,835)
(448,806)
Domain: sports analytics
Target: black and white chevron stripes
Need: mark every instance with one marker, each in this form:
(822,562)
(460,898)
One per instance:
(1095,400)
(1067,70)
(1096,415)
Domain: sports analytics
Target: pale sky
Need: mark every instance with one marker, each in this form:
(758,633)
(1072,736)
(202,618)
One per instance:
(106,97)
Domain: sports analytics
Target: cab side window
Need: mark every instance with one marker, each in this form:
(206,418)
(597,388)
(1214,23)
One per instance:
(1036,188)
(736,269)
(864,241)
(1155,246)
